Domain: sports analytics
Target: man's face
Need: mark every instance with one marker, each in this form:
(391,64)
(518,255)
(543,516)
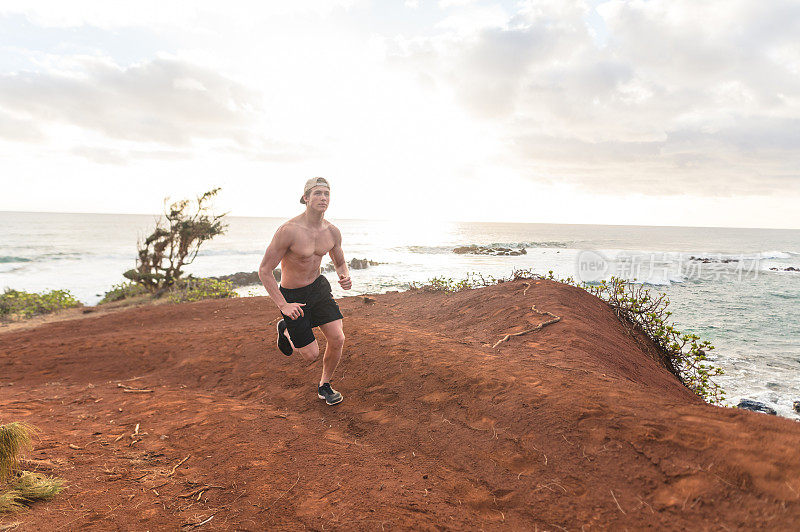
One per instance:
(318,198)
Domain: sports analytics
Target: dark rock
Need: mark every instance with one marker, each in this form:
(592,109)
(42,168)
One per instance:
(368,300)
(796,406)
(354,264)
(709,260)
(246,278)
(789,269)
(361,264)
(489,250)
(755,406)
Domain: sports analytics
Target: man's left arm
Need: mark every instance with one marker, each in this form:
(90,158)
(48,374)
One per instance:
(337,256)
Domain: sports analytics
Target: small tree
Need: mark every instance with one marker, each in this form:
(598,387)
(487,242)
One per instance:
(175,242)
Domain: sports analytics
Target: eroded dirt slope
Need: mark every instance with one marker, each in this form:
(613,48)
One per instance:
(572,427)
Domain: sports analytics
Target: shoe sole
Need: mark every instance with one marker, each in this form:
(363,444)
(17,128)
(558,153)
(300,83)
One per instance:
(281,337)
(331,404)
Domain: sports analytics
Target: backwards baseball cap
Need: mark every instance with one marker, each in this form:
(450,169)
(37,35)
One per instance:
(311,183)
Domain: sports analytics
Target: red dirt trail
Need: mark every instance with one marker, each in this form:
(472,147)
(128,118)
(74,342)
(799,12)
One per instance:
(573,427)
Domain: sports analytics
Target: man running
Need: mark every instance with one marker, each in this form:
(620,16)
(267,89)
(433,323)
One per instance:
(304,296)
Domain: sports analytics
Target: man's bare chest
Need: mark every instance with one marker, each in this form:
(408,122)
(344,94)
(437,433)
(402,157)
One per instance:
(308,244)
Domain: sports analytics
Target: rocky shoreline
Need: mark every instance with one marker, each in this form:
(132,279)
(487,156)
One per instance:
(241,279)
(495,251)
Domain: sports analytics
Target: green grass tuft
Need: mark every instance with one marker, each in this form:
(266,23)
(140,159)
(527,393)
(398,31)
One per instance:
(33,486)
(23,487)
(15,438)
(10,501)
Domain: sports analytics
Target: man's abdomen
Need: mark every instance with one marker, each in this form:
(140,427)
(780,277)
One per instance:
(299,273)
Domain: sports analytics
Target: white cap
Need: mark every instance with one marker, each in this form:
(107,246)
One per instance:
(311,183)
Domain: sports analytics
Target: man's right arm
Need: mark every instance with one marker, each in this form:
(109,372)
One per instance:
(275,252)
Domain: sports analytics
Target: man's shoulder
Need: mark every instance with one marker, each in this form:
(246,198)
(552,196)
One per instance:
(333,230)
(289,228)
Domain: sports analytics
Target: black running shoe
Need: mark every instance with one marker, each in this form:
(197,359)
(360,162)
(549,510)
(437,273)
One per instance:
(331,396)
(283,343)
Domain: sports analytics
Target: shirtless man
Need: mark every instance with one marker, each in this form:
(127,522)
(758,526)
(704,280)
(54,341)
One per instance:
(304,296)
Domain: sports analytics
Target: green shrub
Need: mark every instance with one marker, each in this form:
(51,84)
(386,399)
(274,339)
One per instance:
(16,303)
(448,284)
(193,289)
(122,291)
(684,355)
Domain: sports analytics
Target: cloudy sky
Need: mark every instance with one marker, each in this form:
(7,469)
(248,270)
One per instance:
(662,112)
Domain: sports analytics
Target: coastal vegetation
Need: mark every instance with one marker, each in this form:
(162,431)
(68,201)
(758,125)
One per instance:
(640,310)
(19,488)
(175,243)
(123,291)
(196,289)
(683,354)
(181,291)
(17,304)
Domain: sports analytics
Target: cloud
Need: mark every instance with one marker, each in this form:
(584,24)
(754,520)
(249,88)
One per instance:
(667,102)
(110,156)
(18,130)
(164,100)
(156,13)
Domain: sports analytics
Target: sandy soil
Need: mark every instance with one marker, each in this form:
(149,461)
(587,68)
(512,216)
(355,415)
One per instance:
(574,427)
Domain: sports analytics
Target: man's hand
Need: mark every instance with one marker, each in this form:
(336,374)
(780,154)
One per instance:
(345,282)
(293,310)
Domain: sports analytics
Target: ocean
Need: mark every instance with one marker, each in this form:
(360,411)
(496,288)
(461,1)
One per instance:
(730,286)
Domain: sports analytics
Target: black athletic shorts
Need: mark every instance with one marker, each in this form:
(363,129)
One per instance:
(320,309)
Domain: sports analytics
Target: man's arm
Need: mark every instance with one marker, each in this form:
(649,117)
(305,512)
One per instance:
(275,252)
(337,256)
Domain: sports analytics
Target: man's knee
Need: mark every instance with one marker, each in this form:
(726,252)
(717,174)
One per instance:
(336,340)
(309,352)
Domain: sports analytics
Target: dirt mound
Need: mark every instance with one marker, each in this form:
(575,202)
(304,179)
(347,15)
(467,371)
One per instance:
(574,426)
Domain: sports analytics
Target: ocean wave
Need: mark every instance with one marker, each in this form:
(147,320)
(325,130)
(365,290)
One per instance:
(8,259)
(719,257)
(661,281)
(544,244)
(783,295)
(224,252)
(777,254)
(512,245)
(64,255)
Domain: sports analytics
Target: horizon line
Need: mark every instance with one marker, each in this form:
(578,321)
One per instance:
(440,221)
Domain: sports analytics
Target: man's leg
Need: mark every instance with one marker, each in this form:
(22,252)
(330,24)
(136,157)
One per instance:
(334,334)
(301,328)
(309,352)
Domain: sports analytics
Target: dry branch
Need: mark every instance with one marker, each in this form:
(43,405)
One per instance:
(38,464)
(533,329)
(192,526)
(198,490)
(285,492)
(177,466)
(330,491)
(616,501)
